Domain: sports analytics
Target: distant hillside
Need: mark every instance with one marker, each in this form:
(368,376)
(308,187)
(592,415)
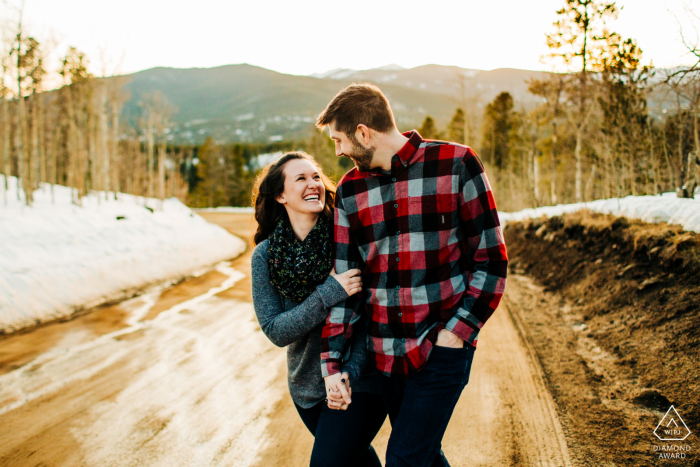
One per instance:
(445,80)
(246,103)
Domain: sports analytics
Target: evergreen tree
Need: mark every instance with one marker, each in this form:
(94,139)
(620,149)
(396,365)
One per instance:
(455,130)
(428,129)
(498,126)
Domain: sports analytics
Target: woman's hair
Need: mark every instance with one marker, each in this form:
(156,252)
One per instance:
(270,184)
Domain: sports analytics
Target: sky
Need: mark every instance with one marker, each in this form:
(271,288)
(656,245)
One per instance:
(307,36)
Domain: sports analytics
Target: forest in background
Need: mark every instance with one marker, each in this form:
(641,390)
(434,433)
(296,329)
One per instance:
(607,125)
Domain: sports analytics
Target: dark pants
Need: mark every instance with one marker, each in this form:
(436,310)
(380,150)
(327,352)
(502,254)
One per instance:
(421,405)
(343,437)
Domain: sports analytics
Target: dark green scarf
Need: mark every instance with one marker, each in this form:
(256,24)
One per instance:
(297,267)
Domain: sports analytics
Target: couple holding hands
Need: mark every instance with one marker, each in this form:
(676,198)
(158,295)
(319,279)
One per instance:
(377,287)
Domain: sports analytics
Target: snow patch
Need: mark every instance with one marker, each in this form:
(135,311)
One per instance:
(229,209)
(652,209)
(56,257)
(336,73)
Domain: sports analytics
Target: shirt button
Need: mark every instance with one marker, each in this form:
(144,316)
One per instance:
(396,205)
(393,179)
(403,339)
(398,232)
(398,259)
(398,287)
(400,315)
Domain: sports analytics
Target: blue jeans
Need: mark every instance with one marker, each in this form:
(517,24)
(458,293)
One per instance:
(421,405)
(343,437)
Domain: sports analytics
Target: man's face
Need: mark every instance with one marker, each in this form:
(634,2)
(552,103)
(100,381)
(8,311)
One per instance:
(349,146)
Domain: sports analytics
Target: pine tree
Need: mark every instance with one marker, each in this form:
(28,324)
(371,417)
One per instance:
(498,125)
(455,130)
(428,129)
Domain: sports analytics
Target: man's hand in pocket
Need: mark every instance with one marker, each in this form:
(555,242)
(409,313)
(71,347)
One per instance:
(448,339)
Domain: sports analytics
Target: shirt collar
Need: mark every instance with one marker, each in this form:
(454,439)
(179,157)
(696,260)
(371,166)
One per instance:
(411,146)
(405,153)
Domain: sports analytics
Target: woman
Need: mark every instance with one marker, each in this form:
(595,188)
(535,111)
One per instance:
(293,288)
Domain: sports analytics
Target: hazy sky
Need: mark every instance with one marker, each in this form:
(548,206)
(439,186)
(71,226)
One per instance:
(307,36)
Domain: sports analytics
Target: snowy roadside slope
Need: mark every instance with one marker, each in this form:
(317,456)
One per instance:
(55,258)
(652,209)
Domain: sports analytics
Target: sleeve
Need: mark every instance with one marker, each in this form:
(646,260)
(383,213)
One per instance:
(486,264)
(339,324)
(284,327)
(358,352)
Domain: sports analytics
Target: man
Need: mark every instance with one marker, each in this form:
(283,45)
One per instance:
(419,219)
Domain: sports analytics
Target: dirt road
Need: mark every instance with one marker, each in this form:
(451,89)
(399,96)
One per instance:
(183,376)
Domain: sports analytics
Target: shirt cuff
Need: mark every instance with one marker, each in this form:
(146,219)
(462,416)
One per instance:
(330,366)
(462,330)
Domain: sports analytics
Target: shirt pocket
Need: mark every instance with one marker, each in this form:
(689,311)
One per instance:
(432,211)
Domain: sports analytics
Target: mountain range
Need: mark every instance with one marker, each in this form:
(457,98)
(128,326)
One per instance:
(245,103)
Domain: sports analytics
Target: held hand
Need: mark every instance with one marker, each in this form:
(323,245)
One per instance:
(350,280)
(338,391)
(448,339)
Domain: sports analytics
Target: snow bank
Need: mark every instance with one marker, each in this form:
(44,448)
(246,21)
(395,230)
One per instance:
(652,209)
(57,257)
(229,209)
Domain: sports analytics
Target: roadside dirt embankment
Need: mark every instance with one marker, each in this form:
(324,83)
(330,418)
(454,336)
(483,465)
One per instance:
(620,341)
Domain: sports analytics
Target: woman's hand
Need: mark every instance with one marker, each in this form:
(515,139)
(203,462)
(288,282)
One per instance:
(338,391)
(350,280)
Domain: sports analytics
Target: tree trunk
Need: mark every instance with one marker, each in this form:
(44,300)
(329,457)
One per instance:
(5,145)
(150,148)
(589,184)
(632,174)
(41,140)
(536,176)
(553,187)
(19,137)
(35,160)
(579,165)
(694,159)
(681,159)
(161,172)
(655,160)
(608,172)
(114,153)
(103,132)
(20,118)
(669,162)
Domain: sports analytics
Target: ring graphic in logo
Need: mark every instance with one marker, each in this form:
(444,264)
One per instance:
(672,427)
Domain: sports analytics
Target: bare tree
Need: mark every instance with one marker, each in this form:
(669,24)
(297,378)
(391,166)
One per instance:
(684,83)
(5,164)
(579,33)
(551,90)
(19,140)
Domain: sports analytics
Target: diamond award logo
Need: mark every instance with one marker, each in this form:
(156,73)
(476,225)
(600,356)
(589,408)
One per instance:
(672,427)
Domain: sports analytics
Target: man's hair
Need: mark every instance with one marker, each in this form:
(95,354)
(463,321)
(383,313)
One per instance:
(358,104)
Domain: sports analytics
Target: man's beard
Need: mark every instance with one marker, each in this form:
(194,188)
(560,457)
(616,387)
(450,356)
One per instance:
(361,156)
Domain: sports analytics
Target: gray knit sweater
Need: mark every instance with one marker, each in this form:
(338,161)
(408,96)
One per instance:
(298,326)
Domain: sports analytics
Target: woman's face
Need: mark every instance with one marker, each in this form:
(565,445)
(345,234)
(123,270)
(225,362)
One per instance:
(304,191)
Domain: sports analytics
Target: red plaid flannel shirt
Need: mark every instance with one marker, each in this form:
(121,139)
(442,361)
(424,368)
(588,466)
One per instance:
(429,243)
